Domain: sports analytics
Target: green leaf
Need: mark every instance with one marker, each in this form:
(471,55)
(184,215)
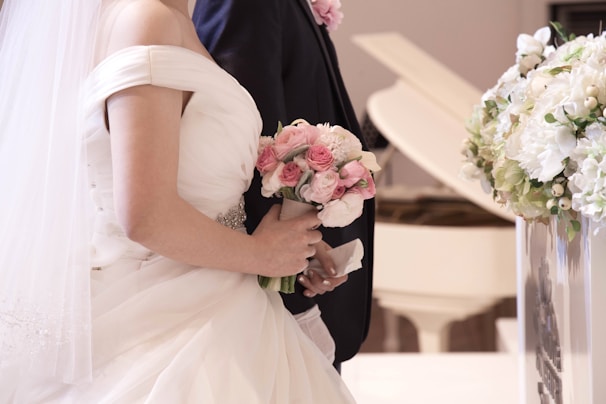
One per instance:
(549,118)
(535,183)
(288,193)
(348,161)
(559,29)
(490,104)
(574,55)
(574,226)
(305,178)
(557,70)
(299,150)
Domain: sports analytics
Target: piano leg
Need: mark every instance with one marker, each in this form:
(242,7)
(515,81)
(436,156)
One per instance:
(391,343)
(432,330)
(431,316)
(434,275)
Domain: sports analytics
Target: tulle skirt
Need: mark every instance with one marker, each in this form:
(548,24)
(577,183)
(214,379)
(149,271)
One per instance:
(165,332)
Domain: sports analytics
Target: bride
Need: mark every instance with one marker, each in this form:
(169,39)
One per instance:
(125,272)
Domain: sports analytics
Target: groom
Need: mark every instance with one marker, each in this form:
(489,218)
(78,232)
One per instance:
(287,61)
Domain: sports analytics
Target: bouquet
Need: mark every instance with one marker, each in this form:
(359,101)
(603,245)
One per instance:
(538,139)
(318,167)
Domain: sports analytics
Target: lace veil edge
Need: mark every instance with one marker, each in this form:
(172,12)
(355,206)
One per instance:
(46,49)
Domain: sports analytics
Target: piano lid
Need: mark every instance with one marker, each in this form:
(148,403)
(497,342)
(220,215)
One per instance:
(424,113)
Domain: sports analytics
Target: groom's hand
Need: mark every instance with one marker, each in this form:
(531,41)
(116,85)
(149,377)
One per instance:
(316,284)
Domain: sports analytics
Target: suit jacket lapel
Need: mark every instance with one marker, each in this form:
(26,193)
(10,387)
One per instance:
(327,57)
(316,28)
(307,11)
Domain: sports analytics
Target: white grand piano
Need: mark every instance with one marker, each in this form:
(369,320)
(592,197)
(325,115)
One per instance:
(440,255)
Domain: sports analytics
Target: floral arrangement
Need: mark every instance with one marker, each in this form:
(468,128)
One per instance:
(320,166)
(538,139)
(327,12)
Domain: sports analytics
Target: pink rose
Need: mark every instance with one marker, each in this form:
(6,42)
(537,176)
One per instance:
(352,172)
(294,137)
(311,132)
(289,139)
(290,174)
(365,187)
(327,12)
(319,157)
(321,188)
(267,160)
(339,191)
(342,212)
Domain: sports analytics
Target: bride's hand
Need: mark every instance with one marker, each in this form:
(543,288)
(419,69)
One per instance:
(285,245)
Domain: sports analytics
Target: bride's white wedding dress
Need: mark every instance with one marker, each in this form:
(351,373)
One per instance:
(166,332)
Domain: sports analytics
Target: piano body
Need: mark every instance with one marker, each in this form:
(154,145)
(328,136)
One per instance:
(445,255)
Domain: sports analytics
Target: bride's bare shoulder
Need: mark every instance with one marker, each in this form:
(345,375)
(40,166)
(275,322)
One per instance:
(138,22)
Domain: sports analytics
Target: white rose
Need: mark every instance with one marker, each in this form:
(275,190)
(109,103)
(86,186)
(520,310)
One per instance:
(528,62)
(533,44)
(531,49)
(470,171)
(342,212)
(271,182)
(369,160)
(322,186)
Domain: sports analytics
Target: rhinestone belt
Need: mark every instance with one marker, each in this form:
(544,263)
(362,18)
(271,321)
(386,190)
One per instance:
(234,218)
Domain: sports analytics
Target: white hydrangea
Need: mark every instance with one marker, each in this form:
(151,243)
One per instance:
(341,142)
(588,183)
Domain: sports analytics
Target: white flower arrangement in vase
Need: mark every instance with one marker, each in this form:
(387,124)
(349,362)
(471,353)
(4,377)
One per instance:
(537,138)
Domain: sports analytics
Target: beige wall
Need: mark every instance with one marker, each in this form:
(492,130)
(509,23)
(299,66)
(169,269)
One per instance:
(474,38)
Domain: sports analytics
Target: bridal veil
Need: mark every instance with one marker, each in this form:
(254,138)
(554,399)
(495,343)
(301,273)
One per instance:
(46,49)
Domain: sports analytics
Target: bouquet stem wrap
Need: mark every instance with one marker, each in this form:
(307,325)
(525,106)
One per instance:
(286,284)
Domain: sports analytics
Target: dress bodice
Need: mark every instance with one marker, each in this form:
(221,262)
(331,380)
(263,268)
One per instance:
(219,134)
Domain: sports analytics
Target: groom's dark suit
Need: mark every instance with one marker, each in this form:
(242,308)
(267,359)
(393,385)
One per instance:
(288,63)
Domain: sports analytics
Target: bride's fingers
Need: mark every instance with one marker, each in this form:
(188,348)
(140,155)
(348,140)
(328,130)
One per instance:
(314,236)
(311,251)
(307,221)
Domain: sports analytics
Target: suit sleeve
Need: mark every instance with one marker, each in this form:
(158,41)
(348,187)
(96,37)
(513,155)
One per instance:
(244,37)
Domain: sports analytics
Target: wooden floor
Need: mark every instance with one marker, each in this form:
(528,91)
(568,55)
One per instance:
(474,334)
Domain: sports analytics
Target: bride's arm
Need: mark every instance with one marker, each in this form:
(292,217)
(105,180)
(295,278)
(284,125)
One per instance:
(144,128)
(144,123)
